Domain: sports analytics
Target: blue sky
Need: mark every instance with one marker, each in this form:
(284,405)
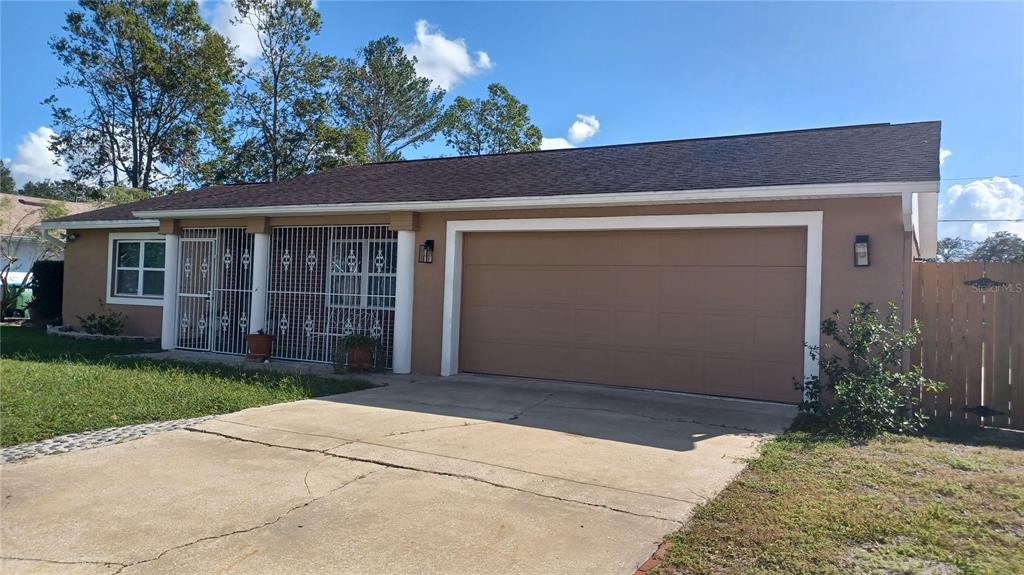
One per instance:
(642,72)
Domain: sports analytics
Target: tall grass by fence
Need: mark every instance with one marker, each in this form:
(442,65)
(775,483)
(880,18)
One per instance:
(972,317)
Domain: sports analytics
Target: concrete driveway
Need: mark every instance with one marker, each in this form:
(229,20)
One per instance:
(470,474)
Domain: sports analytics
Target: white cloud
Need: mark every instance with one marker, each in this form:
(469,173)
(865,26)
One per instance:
(243,35)
(993,198)
(34,161)
(554,144)
(445,62)
(943,154)
(581,130)
(584,128)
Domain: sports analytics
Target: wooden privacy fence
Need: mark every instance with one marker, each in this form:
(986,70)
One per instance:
(972,321)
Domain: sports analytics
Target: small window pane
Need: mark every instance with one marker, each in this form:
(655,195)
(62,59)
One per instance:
(382,257)
(345,290)
(152,282)
(384,290)
(154,256)
(127,282)
(347,257)
(127,254)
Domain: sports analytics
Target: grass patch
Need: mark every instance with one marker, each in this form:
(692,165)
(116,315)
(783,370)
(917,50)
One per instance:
(32,342)
(53,386)
(893,505)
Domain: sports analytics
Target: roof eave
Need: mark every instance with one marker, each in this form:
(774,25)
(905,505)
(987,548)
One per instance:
(758,193)
(98,224)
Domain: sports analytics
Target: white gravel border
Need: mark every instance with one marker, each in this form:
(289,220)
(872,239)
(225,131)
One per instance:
(92,439)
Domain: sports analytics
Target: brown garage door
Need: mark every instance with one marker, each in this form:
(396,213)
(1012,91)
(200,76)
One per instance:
(703,311)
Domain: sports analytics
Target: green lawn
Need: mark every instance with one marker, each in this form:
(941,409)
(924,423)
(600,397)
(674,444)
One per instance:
(52,385)
(896,505)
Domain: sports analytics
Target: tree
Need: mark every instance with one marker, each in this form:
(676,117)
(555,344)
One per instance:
(115,195)
(380,93)
(954,249)
(283,117)
(19,229)
(64,190)
(1000,247)
(154,78)
(6,180)
(497,125)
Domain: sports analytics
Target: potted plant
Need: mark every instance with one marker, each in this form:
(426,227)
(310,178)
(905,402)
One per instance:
(35,315)
(259,345)
(358,351)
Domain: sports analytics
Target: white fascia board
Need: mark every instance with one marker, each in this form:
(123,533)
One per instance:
(927,220)
(920,216)
(760,193)
(99,224)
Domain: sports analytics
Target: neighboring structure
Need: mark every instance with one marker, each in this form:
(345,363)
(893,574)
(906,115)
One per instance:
(692,265)
(20,242)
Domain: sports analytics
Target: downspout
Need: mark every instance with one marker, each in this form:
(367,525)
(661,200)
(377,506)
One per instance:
(53,241)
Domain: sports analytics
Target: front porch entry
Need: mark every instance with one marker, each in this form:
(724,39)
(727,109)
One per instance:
(308,286)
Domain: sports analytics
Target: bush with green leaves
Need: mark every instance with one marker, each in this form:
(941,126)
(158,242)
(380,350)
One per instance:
(866,388)
(111,323)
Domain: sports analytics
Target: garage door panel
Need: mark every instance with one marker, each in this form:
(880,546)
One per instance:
(681,287)
(733,376)
(596,286)
(552,323)
(593,325)
(680,330)
(702,311)
(785,372)
(636,328)
(776,289)
(727,331)
(774,333)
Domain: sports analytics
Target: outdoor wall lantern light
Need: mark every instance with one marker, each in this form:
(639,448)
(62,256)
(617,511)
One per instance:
(427,252)
(861,253)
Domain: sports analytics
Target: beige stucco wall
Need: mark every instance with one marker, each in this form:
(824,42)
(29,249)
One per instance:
(85,284)
(842,284)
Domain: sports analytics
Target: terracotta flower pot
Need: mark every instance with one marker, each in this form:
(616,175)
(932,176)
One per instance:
(360,358)
(259,346)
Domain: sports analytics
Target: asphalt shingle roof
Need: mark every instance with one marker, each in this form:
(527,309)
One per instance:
(853,154)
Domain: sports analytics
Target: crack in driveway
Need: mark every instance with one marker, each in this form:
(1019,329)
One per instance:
(248,529)
(459,476)
(60,562)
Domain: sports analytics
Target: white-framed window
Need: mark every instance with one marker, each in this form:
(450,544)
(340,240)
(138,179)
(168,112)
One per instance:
(135,269)
(362,274)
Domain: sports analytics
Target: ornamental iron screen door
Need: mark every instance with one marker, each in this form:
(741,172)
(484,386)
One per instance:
(214,289)
(327,282)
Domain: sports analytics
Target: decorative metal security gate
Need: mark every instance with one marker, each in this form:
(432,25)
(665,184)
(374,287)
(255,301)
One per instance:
(214,289)
(327,282)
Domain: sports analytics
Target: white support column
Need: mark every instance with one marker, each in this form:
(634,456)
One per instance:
(404,288)
(260,282)
(169,324)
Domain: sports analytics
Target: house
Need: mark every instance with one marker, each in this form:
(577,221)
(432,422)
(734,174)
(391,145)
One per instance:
(20,242)
(693,265)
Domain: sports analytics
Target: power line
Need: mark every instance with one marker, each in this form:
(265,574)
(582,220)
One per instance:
(983,177)
(1017,220)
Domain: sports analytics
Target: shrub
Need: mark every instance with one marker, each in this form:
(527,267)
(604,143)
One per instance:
(867,390)
(111,323)
(48,288)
